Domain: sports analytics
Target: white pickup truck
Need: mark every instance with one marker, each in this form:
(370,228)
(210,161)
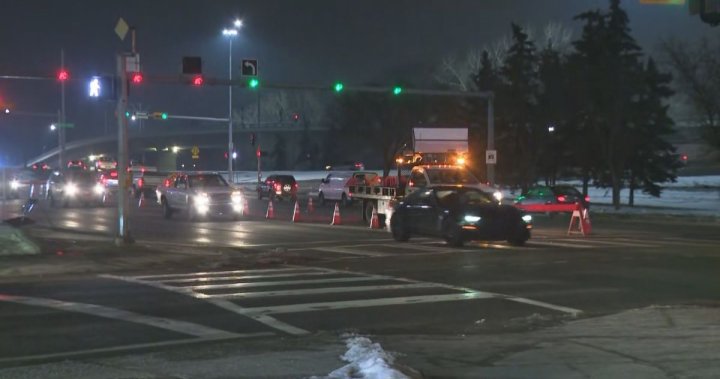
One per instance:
(199,195)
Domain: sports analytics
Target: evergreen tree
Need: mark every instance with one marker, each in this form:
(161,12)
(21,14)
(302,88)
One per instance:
(653,159)
(517,102)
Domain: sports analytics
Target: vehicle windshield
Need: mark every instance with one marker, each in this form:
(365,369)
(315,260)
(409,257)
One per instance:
(451,176)
(463,196)
(206,181)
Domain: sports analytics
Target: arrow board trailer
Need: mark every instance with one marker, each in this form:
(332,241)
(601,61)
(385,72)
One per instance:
(439,145)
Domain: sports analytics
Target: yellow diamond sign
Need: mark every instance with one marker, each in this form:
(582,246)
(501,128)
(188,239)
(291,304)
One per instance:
(121,28)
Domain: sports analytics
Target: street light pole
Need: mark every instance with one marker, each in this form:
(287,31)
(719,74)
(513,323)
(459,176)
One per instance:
(230,121)
(61,130)
(230,34)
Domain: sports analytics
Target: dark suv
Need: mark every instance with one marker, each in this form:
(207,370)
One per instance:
(561,194)
(278,187)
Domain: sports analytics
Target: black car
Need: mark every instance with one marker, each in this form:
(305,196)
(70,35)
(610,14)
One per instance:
(459,214)
(278,187)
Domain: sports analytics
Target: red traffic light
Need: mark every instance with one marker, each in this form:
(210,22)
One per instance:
(684,157)
(63,75)
(136,78)
(296,116)
(258,153)
(197,80)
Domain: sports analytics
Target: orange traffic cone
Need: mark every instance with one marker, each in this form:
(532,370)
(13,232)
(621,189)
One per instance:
(577,215)
(296,212)
(270,211)
(375,219)
(310,206)
(336,216)
(587,225)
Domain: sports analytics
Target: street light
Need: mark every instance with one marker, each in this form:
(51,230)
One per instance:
(231,33)
(53,127)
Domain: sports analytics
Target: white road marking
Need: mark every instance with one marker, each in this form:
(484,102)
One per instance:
(193,274)
(320,291)
(183,327)
(123,348)
(242,277)
(612,243)
(572,311)
(342,250)
(284,282)
(334,305)
(559,244)
(266,320)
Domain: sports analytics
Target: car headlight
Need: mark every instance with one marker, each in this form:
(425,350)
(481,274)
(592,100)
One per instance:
(14,184)
(470,218)
(71,189)
(98,189)
(498,196)
(527,219)
(202,199)
(236,197)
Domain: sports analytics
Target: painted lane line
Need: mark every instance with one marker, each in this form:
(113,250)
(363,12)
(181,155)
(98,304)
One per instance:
(613,243)
(184,327)
(284,282)
(319,291)
(348,304)
(123,348)
(208,273)
(341,250)
(572,311)
(265,320)
(241,277)
(533,242)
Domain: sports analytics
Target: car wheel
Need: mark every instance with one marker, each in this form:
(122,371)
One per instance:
(344,201)
(167,211)
(398,228)
(453,234)
(521,236)
(321,199)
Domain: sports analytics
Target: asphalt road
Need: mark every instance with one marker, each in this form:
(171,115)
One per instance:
(345,278)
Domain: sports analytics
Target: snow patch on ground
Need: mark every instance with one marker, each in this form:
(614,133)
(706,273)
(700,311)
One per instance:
(367,360)
(14,242)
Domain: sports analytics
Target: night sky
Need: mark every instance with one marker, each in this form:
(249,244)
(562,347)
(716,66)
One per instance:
(301,41)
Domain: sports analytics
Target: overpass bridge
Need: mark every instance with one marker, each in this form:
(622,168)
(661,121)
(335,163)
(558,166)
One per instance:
(212,143)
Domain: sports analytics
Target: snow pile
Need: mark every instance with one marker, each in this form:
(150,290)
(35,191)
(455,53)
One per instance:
(366,360)
(14,242)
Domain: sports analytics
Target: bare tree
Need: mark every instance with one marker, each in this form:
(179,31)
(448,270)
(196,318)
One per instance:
(697,72)
(456,72)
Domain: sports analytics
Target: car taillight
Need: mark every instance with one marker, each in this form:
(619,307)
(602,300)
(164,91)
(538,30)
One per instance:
(113,174)
(140,182)
(167,183)
(561,199)
(411,184)
(587,199)
(277,186)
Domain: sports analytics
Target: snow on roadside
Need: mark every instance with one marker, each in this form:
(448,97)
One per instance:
(366,360)
(14,242)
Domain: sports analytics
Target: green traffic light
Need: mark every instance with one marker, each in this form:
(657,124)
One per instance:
(338,87)
(253,83)
(164,116)
(397,90)
(127,114)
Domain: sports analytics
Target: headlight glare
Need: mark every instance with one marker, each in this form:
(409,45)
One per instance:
(98,189)
(498,196)
(14,184)
(470,218)
(71,189)
(202,199)
(236,197)
(527,219)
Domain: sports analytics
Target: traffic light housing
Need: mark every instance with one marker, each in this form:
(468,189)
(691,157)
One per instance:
(252,139)
(192,65)
(198,80)
(159,115)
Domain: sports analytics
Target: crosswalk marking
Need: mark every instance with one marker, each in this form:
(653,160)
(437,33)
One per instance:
(319,291)
(344,250)
(558,244)
(283,283)
(232,294)
(333,305)
(615,243)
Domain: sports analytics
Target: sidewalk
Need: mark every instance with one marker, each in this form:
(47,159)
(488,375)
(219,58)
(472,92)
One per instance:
(654,342)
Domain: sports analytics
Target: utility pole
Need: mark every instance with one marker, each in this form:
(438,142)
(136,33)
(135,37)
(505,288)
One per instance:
(230,123)
(123,233)
(491,136)
(61,128)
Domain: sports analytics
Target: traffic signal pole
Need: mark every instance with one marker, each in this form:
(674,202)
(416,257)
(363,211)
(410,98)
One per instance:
(230,122)
(61,129)
(123,233)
